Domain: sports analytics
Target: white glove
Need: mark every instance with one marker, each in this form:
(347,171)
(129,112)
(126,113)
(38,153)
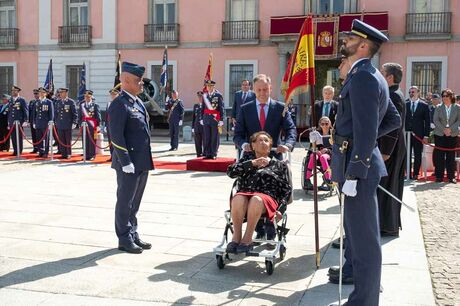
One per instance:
(201,122)
(221,123)
(128,168)
(315,137)
(349,188)
(8,127)
(180,122)
(24,124)
(73,126)
(432,125)
(34,126)
(193,130)
(51,121)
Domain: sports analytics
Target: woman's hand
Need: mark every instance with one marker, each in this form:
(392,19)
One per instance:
(260,162)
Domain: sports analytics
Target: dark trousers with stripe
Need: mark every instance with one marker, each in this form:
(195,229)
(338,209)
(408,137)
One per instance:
(174,134)
(65,136)
(44,145)
(361,217)
(210,139)
(198,138)
(90,148)
(14,141)
(130,189)
(33,133)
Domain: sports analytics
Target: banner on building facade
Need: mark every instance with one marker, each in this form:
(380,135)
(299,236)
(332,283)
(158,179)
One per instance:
(326,31)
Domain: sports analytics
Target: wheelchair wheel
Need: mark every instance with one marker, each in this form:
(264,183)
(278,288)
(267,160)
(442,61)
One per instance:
(269,267)
(303,173)
(220,262)
(282,252)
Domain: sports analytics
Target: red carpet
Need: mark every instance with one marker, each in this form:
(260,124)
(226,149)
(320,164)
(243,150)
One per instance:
(200,164)
(100,159)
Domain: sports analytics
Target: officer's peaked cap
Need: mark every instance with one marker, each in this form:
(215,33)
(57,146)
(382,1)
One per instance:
(199,93)
(209,82)
(436,96)
(64,89)
(17,87)
(364,30)
(89,92)
(135,69)
(42,89)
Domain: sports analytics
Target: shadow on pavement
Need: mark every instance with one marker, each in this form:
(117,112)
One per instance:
(54,268)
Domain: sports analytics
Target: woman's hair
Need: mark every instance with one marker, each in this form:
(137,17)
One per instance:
(449,93)
(257,134)
(325,118)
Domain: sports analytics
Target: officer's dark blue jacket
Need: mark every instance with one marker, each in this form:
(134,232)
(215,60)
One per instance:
(44,112)
(363,105)
(130,133)
(176,108)
(196,116)
(217,103)
(17,110)
(66,114)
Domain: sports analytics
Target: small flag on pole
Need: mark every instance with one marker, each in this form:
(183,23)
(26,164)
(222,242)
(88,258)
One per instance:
(164,69)
(117,82)
(49,81)
(82,87)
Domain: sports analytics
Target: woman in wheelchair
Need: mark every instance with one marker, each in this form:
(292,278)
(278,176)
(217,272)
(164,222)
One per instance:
(323,154)
(263,185)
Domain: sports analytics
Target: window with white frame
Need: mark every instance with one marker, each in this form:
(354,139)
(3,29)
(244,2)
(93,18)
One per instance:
(73,75)
(428,6)
(243,10)
(164,11)
(238,73)
(6,79)
(7,14)
(78,13)
(427,76)
(334,6)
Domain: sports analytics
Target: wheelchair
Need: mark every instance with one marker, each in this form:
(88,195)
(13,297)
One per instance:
(262,245)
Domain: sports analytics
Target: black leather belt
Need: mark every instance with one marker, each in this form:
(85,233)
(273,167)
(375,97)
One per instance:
(343,141)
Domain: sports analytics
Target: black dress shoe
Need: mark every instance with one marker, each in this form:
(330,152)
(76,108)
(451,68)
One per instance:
(144,245)
(336,243)
(389,234)
(334,270)
(130,248)
(346,280)
(453,181)
(172,149)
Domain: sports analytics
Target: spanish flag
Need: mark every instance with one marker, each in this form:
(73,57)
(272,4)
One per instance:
(301,69)
(208,74)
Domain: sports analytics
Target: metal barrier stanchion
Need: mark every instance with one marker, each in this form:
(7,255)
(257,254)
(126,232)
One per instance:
(18,145)
(408,148)
(50,135)
(228,127)
(84,124)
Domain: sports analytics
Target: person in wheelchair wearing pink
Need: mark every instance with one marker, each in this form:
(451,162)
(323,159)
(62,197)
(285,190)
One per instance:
(323,155)
(263,186)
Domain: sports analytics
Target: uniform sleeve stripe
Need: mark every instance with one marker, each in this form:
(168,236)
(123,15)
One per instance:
(119,147)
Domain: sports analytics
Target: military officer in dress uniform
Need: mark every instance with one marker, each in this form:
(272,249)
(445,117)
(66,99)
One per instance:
(43,114)
(17,110)
(132,157)
(66,120)
(357,164)
(33,131)
(175,118)
(4,141)
(91,114)
(213,116)
(197,128)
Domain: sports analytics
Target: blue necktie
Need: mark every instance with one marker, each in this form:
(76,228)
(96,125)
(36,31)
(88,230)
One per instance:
(326,109)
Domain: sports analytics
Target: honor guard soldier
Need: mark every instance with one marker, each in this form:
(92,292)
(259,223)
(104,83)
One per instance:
(66,120)
(213,116)
(17,110)
(357,163)
(4,141)
(43,114)
(33,131)
(175,117)
(197,128)
(91,114)
(114,92)
(132,156)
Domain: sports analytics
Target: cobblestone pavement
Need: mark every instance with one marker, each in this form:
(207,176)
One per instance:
(440,219)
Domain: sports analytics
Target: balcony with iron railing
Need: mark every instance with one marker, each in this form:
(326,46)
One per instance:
(426,26)
(240,32)
(158,35)
(75,36)
(8,38)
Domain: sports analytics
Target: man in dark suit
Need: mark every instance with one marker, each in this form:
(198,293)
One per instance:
(264,114)
(175,117)
(132,157)
(357,164)
(241,96)
(418,122)
(17,111)
(326,107)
